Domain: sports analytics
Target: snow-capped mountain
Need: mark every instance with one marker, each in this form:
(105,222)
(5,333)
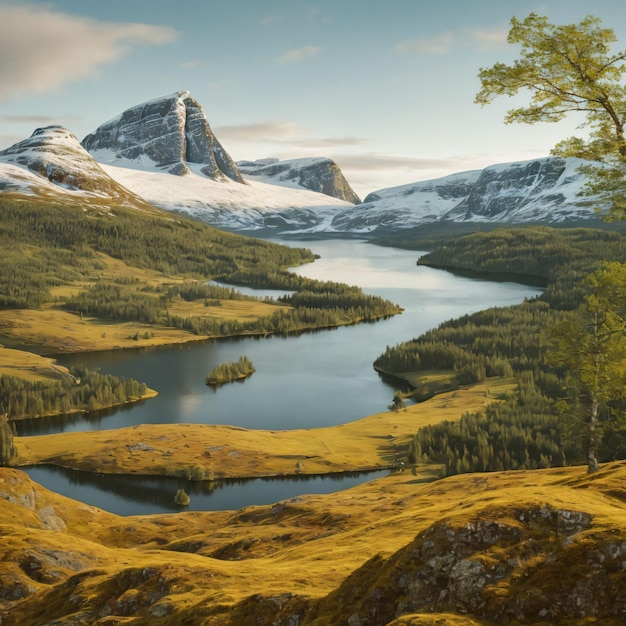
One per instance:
(317,174)
(165,134)
(408,205)
(164,151)
(230,205)
(52,165)
(541,190)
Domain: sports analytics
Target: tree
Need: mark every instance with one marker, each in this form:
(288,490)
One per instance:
(568,69)
(7,448)
(397,403)
(591,344)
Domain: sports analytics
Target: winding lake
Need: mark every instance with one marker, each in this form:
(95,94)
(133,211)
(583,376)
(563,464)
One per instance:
(303,381)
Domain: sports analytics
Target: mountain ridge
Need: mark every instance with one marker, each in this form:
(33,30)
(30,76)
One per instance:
(168,132)
(163,153)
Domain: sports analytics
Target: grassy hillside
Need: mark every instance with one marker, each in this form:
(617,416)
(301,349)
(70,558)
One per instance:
(200,450)
(122,265)
(76,278)
(526,431)
(541,547)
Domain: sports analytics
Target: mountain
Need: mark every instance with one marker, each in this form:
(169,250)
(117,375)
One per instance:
(166,133)
(541,190)
(317,174)
(52,165)
(408,205)
(225,204)
(164,151)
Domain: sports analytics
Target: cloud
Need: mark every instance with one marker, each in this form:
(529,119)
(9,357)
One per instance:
(299,54)
(329,142)
(42,50)
(286,134)
(375,161)
(488,38)
(477,39)
(188,65)
(437,44)
(262,131)
(32,119)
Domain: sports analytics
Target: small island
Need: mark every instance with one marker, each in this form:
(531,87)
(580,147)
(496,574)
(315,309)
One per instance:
(231,371)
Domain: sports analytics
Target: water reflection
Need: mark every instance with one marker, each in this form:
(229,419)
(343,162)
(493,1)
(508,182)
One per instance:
(303,380)
(143,495)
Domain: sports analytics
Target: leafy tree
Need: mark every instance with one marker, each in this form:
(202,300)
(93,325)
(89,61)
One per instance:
(570,68)
(591,344)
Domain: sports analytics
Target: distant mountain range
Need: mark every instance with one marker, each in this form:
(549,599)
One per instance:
(164,153)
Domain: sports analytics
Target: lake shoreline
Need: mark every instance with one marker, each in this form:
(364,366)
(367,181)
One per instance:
(376,442)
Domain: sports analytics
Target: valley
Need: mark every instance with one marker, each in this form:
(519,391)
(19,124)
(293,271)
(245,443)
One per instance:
(99,256)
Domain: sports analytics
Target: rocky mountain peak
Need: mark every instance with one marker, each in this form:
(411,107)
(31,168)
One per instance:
(168,133)
(317,174)
(53,154)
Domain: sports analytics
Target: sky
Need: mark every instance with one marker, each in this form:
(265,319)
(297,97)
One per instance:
(386,89)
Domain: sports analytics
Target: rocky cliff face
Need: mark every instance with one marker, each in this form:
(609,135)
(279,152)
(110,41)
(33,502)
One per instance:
(539,189)
(51,164)
(318,174)
(542,190)
(166,133)
(407,205)
(551,574)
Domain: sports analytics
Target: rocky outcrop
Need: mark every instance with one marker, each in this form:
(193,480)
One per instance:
(317,174)
(168,133)
(408,205)
(51,164)
(542,190)
(539,189)
(506,568)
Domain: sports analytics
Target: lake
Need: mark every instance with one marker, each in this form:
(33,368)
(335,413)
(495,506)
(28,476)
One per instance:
(303,381)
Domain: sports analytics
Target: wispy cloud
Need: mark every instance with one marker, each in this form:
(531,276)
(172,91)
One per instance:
(34,119)
(299,54)
(475,39)
(488,38)
(262,131)
(376,161)
(43,50)
(285,134)
(437,44)
(189,65)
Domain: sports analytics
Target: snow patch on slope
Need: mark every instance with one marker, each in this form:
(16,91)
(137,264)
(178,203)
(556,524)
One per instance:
(228,204)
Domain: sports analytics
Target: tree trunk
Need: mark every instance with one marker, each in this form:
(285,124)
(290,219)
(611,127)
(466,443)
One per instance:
(592,450)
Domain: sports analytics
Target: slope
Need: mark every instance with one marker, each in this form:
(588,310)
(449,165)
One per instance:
(519,547)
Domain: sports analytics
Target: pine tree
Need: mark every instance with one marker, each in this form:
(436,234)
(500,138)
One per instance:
(8,452)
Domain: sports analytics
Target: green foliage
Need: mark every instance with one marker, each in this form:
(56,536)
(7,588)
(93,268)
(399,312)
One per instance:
(570,68)
(7,448)
(522,433)
(230,371)
(507,341)
(84,390)
(182,498)
(590,344)
(44,245)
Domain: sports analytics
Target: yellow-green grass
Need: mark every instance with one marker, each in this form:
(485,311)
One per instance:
(374,442)
(211,568)
(62,331)
(29,366)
